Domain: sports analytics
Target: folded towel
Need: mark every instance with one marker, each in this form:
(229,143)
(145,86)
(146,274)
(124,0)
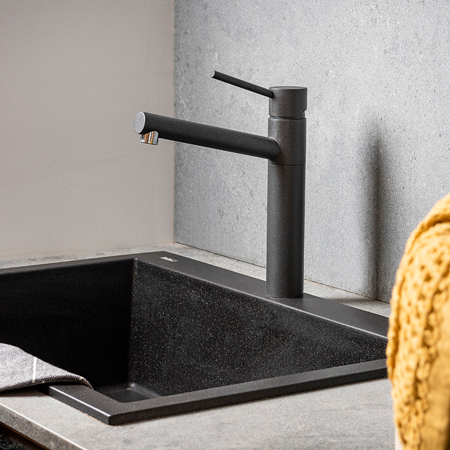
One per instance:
(418,350)
(19,369)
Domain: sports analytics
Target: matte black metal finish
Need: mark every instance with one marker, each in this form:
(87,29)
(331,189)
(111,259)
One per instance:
(286,194)
(207,136)
(243,84)
(288,101)
(290,134)
(285,231)
(158,334)
(285,147)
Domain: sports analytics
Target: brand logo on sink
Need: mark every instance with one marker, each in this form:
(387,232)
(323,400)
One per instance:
(165,258)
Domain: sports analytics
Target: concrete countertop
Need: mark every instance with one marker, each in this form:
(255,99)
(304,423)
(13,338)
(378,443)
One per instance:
(356,416)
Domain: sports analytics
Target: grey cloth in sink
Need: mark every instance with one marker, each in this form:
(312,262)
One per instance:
(19,369)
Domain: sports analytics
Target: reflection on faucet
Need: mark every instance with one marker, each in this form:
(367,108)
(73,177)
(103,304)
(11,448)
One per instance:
(150,138)
(285,149)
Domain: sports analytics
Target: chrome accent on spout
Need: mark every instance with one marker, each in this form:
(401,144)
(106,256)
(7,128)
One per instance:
(150,138)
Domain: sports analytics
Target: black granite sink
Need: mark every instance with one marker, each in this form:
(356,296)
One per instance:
(158,334)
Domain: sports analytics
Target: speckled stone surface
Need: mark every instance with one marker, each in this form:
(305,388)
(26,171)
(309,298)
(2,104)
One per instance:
(378,133)
(357,416)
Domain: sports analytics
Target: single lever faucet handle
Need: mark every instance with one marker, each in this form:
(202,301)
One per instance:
(243,84)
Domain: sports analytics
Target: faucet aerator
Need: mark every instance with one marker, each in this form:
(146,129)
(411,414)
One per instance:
(150,138)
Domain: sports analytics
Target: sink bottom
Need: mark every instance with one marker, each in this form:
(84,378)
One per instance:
(159,334)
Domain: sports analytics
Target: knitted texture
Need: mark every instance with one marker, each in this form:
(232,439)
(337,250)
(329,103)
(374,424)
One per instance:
(418,351)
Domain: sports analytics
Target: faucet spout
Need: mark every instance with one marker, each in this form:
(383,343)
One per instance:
(207,136)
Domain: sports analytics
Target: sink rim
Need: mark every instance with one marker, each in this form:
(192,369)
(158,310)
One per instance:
(113,412)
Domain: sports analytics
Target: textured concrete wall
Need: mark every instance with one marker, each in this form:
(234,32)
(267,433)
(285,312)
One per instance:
(73,176)
(378,154)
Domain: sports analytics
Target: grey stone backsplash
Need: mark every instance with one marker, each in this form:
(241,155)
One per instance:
(378,140)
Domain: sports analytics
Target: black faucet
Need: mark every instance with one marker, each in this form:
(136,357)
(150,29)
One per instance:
(285,150)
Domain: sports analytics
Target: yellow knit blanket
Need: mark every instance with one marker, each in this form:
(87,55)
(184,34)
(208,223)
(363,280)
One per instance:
(418,350)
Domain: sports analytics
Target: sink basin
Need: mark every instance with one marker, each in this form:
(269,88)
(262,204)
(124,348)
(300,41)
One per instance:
(158,334)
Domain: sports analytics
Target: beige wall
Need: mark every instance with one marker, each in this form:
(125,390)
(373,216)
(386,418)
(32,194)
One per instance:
(73,176)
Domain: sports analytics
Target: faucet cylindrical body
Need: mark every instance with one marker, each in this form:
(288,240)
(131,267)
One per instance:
(286,194)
